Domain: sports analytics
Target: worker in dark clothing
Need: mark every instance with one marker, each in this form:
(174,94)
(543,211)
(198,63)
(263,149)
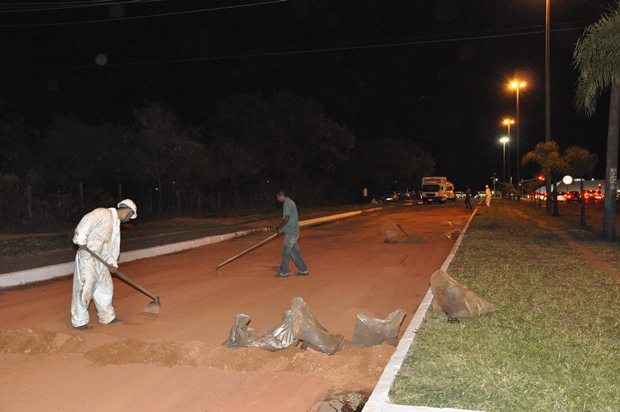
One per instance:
(468,199)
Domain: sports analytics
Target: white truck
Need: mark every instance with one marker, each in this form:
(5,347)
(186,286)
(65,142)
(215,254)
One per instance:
(437,189)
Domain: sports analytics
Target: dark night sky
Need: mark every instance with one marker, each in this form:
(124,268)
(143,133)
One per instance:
(447,96)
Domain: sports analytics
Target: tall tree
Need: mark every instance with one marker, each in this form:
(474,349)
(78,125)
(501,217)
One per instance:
(580,163)
(75,154)
(392,164)
(551,163)
(167,151)
(283,138)
(17,160)
(597,57)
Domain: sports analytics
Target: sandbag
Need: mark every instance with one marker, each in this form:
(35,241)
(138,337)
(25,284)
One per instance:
(371,331)
(298,325)
(241,335)
(456,300)
(393,233)
(281,337)
(310,332)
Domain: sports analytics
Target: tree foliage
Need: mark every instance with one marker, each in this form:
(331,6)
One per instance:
(250,146)
(548,158)
(551,161)
(580,162)
(597,58)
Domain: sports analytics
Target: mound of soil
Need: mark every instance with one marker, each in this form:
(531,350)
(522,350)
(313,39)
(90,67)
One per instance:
(31,341)
(136,351)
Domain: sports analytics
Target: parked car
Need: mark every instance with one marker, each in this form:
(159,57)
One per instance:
(391,197)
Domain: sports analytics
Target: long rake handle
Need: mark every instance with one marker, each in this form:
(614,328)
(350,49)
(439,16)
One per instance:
(248,250)
(124,277)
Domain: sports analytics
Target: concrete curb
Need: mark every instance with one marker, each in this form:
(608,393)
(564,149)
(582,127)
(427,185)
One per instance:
(379,400)
(28,276)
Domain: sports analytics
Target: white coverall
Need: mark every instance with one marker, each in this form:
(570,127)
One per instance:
(487,196)
(100,231)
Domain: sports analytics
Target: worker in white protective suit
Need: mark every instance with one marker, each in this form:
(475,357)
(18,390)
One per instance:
(99,232)
(487,195)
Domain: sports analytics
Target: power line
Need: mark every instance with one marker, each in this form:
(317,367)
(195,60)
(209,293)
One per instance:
(72,6)
(47,3)
(340,48)
(129,18)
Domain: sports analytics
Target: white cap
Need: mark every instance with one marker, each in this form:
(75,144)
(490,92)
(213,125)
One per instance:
(128,203)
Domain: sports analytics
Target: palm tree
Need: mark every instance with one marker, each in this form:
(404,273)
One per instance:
(597,57)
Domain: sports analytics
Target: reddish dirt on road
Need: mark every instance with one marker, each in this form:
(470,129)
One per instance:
(176,361)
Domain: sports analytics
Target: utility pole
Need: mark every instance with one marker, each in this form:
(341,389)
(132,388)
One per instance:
(547,70)
(548,182)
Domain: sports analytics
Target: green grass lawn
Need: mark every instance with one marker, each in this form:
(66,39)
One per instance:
(552,345)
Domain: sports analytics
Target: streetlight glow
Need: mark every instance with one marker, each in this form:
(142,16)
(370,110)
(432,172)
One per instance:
(517,84)
(508,121)
(504,139)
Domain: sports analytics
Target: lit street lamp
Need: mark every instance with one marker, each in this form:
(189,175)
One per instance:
(517,85)
(508,122)
(504,140)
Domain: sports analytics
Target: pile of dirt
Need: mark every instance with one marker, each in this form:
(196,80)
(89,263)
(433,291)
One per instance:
(136,351)
(35,342)
(352,369)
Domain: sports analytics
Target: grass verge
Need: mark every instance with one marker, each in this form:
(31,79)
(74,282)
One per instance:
(553,345)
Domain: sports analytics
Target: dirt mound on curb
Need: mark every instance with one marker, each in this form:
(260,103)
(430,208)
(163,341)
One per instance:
(35,342)
(137,351)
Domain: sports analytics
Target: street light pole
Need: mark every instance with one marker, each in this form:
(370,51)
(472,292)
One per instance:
(518,136)
(504,140)
(547,70)
(517,85)
(508,122)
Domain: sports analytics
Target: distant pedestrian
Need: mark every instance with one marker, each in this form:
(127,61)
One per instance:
(468,199)
(487,195)
(289,226)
